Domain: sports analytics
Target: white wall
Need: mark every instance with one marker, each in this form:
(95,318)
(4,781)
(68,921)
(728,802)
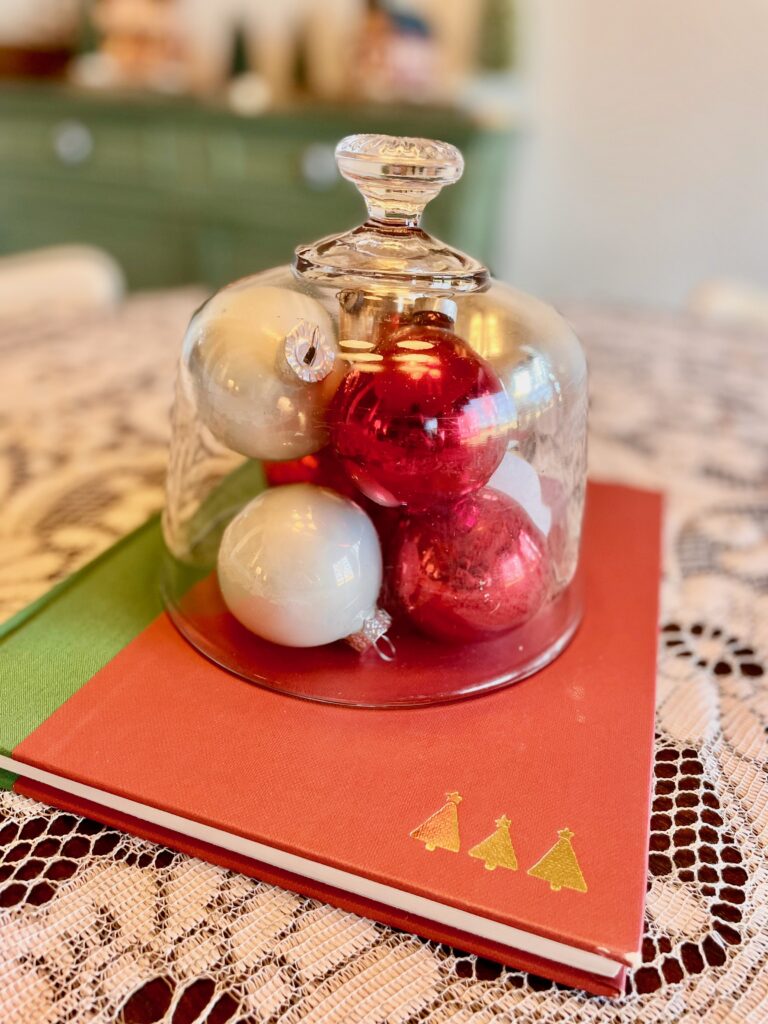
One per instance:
(645,166)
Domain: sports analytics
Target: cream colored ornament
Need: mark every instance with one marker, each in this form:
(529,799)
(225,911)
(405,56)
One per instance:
(301,566)
(264,364)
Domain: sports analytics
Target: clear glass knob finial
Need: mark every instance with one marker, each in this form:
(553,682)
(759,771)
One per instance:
(398,176)
(390,252)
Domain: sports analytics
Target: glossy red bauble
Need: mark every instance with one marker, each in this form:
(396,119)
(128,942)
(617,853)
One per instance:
(422,421)
(471,572)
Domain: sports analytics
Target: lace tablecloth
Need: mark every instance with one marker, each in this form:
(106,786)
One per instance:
(97,926)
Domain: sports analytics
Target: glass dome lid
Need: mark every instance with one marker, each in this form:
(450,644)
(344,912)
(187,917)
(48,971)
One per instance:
(378,461)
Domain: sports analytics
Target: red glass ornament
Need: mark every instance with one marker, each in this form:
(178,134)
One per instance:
(472,572)
(322,468)
(423,420)
(389,323)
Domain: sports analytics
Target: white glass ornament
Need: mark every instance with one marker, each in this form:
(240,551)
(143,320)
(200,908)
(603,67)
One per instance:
(519,480)
(301,566)
(264,364)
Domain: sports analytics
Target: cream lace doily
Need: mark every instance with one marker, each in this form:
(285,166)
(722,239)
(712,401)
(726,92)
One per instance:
(98,926)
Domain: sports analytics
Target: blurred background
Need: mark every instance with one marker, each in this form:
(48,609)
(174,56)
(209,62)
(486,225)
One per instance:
(616,152)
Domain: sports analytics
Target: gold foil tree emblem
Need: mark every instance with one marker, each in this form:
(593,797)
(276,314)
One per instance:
(497,850)
(441,829)
(559,865)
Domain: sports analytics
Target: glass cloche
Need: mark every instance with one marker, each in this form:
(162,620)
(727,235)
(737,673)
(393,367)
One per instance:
(377,466)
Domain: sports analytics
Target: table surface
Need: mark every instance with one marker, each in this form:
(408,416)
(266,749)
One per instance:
(99,926)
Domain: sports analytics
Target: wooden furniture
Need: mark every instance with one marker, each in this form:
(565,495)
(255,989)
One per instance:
(178,191)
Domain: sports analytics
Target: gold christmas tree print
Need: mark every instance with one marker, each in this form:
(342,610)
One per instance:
(497,850)
(441,829)
(559,866)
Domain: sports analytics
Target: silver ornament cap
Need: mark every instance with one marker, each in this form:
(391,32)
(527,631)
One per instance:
(372,633)
(308,352)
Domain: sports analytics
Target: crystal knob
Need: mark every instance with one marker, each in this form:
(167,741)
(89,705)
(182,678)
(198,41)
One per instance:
(398,176)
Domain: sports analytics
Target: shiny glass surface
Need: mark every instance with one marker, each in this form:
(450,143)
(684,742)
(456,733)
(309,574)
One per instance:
(449,407)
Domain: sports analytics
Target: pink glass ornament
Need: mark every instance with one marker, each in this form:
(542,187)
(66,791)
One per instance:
(471,572)
(423,420)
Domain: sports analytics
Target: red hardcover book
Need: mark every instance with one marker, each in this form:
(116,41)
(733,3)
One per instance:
(513,825)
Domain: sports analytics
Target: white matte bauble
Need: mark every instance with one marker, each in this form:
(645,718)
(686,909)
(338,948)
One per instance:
(301,566)
(264,364)
(519,480)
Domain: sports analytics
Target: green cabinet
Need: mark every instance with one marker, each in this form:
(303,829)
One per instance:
(178,191)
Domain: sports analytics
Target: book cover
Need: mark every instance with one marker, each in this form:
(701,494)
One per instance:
(512,824)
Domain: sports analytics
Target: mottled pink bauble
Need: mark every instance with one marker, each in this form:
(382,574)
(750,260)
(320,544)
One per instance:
(471,572)
(422,421)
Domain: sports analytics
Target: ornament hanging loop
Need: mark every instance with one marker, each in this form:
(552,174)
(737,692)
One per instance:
(385,649)
(373,634)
